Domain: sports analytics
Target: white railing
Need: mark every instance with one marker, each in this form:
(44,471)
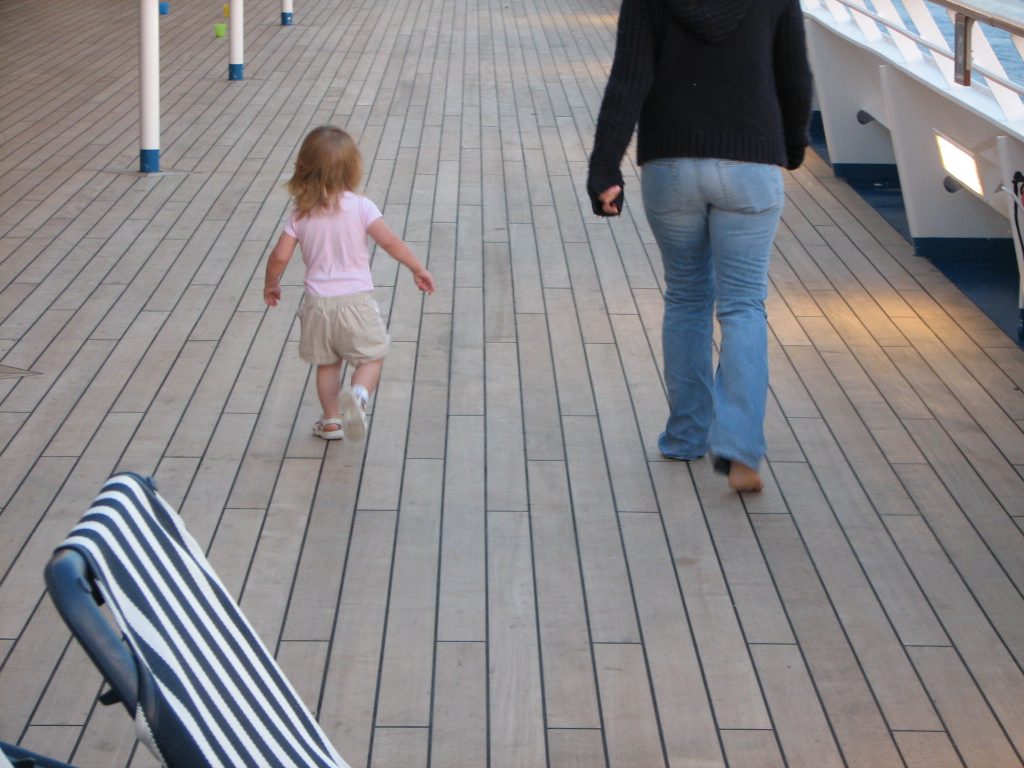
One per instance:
(987,39)
(932,88)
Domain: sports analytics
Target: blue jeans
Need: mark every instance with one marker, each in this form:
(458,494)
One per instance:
(714,221)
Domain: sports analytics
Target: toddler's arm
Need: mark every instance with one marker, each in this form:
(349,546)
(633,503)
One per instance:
(400,252)
(279,258)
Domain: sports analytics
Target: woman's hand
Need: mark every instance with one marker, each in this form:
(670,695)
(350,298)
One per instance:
(611,201)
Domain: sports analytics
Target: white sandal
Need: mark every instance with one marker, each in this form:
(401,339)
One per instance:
(329,434)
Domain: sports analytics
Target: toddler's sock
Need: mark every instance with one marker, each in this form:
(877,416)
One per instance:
(360,391)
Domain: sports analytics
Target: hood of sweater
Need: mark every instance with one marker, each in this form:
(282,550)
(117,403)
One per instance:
(711,20)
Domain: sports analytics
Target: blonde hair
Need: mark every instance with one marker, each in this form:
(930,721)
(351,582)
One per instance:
(328,164)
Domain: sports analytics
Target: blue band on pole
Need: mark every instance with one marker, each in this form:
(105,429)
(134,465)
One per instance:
(149,160)
(1020,326)
(235,71)
(286,18)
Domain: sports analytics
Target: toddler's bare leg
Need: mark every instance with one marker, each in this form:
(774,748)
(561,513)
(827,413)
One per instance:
(328,386)
(368,375)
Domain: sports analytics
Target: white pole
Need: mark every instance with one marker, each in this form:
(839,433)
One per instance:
(236,58)
(149,86)
(286,13)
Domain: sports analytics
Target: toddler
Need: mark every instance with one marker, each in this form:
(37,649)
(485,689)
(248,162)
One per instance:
(339,319)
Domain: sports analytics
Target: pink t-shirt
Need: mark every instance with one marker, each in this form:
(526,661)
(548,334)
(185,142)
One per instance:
(334,246)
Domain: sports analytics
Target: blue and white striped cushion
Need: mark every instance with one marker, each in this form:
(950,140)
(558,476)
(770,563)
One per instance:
(221,698)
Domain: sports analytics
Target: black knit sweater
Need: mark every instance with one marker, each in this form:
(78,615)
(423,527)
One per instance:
(705,78)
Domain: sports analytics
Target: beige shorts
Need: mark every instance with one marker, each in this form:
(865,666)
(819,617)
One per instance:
(347,328)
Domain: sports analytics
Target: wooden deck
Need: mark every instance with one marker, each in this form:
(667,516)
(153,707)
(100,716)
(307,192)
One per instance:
(505,573)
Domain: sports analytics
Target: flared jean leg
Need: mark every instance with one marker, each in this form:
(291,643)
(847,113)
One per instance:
(686,347)
(741,384)
(679,221)
(742,230)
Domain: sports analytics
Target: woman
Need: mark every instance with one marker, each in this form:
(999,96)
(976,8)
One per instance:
(721,90)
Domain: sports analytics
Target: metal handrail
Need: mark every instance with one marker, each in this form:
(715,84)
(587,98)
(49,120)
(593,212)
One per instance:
(1002,14)
(995,13)
(964,18)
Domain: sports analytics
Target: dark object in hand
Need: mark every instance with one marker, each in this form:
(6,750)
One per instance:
(598,205)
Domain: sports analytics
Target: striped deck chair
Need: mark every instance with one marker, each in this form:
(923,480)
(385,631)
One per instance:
(201,686)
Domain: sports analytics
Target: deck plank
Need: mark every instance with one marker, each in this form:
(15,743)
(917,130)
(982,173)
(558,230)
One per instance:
(710,608)
(900,595)
(54,741)
(640,366)
(630,728)
(631,482)
(350,683)
(871,635)
(459,730)
(994,591)
(752,749)
(400,747)
(70,698)
(232,548)
(850,425)
(22,586)
(977,643)
(988,515)
(569,359)
(462,613)
(859,727)
(569,689)
(610,609)
(407,662)
(303,662)
(108,738)
(989,414)
(506,480)
(466,387)
(927,750)
(514,675)
(575,748)
(742,561)
(803,730)
(685,707)
(40,646)
(542,432)
(431,389)
(264,598)
(982,742)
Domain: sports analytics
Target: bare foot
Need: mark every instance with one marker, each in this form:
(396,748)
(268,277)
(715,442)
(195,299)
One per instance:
(744,479)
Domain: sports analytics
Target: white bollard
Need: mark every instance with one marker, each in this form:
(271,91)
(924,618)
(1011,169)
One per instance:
(236,58)
(149,86)
(287,18)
